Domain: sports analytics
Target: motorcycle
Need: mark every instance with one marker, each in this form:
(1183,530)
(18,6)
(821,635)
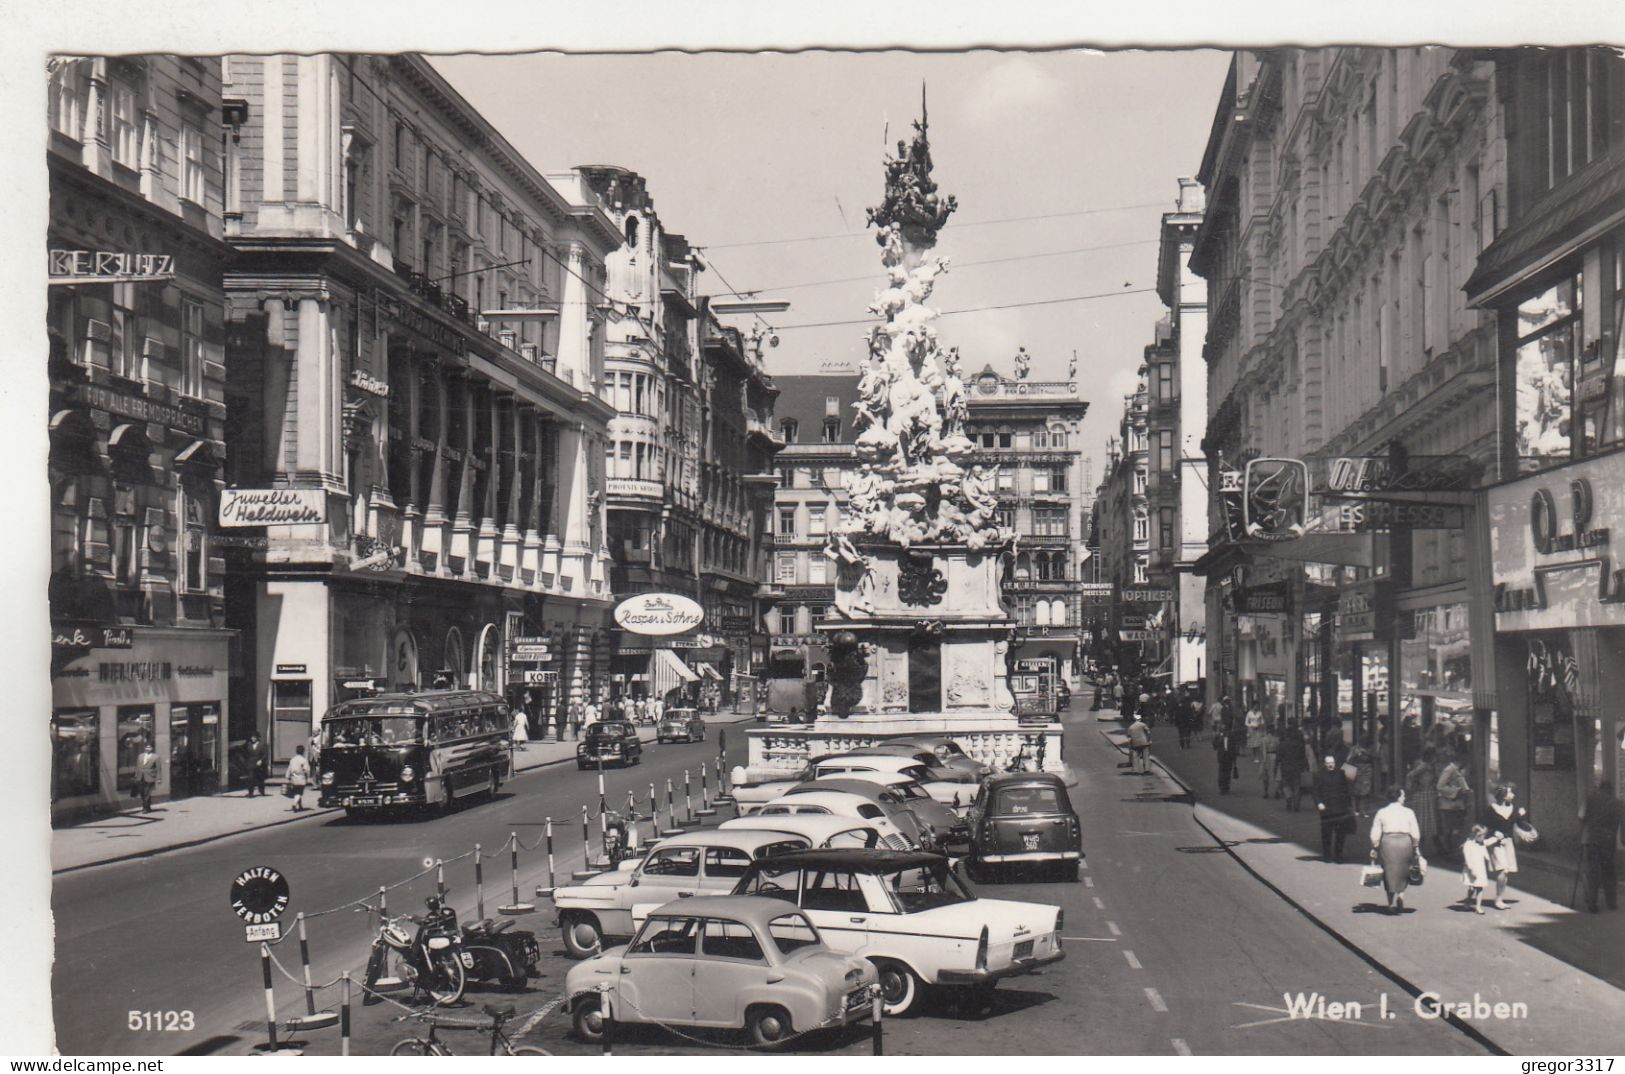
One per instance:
(429,959)
(490,952)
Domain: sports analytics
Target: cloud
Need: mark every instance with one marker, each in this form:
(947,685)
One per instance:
(1013,87)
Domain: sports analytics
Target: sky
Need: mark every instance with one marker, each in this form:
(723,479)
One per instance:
(1062,162)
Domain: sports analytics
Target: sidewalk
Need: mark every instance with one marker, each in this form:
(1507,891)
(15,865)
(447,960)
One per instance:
(1567,967)
(191,821)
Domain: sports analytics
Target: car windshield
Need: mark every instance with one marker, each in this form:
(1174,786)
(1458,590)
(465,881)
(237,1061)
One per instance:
(372,731)
(926,888)
(1029,799)
(791,932)
(603,730)
(912,791)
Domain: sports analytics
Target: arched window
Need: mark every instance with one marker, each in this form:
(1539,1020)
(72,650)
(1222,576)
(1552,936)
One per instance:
(1057,613)
(1024,566)
(1041,613)
(632,232)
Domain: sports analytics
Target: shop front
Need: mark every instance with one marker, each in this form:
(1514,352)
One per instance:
(127,686)
(1557,542)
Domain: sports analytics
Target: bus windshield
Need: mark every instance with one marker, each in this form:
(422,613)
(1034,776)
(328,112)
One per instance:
(372,731)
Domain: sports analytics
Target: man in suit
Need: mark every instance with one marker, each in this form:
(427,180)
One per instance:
(146,774)
(258,768)
(1335,804)
(1599,845)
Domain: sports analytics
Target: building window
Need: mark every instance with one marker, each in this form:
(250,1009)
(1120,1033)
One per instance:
(1165,450)
(832,406)
(75,753)
(1007,479)
(124,357)
(126,136)
(1139,482)
(989,440)
(192,348)
(1165,382)
(1052,479)
(816,613)
(832,430)
(785,571)
(1551,337)
(1005,440)
(68,99)
(788,428)
(1049,521)
(1005,517)
(1140,572)
(818,570)
(787,477)
(1142,526)
(816,526)
(1165,527)
(787,521)
(1041,439)
(194,548)
(193,182)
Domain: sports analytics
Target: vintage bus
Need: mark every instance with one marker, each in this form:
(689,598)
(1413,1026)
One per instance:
(419,749)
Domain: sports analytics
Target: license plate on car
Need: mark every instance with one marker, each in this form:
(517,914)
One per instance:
(1024,949)
(368,800)
(1030,840)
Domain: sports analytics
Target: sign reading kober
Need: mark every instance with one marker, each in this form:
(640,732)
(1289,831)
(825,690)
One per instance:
(658,614)
(272,507)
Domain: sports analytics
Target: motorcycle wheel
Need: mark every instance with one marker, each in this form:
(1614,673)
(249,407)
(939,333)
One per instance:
(445,980)
(526,1049)
(375,967)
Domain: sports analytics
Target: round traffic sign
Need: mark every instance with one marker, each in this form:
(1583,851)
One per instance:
(259,895)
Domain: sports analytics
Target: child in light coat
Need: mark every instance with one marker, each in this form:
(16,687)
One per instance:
(1475,861)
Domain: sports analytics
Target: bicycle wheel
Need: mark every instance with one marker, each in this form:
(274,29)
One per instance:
(526,1049)
(419,1046)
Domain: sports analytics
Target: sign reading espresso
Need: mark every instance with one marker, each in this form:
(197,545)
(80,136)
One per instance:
(272,507)
(658,614)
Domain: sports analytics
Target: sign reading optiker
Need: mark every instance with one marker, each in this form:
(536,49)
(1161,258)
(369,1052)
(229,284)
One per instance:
(272,507)
(658,614)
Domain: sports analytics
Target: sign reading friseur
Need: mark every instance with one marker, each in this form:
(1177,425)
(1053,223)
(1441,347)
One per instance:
(272,507)
(658,614)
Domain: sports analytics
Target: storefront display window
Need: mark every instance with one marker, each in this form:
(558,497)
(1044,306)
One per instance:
(1550,338)
(1553,673)
(75,753)
(135,726)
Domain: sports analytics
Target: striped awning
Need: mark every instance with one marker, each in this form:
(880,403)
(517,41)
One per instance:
(709,672)
(666,672)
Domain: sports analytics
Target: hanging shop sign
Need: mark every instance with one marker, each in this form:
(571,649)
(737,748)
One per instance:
(1372,515)
(1096,593)
(108,266)
(1137,635)
(1365,610)
(1360,474)
(1133,622)
(91,637)
(531,654)
(1146,595)
(272,507)
(410,317)
(366,382)
(658,614)
(1275,496)
(1556,547)
(1258,600)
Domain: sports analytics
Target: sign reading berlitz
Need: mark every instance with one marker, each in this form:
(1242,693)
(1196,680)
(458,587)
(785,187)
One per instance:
(658,614)
(272,507)
(77,266)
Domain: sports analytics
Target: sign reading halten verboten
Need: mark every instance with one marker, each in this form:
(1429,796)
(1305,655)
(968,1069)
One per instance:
(658,614)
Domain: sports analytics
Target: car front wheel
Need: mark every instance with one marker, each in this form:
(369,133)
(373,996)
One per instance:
(582,936)
(899,987)
(588,1020)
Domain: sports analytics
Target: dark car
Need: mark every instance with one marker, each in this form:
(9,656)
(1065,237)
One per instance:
(609,742)
(1025,818)
(680,725)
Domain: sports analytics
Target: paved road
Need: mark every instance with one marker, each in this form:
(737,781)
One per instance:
(1171,946)
(158,935)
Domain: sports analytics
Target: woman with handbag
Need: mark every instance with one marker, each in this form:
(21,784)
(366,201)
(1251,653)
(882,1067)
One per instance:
(1508,825)
(1395,839)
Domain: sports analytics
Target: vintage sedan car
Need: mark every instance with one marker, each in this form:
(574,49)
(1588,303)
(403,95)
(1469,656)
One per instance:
(949,826)
(936,770)
(680,725)
(822,830)
(609,742)
(949,792)
(599,909)
(1025,818)
(913,822)
(852,806)
(725,962)
(949,753)
(910,914)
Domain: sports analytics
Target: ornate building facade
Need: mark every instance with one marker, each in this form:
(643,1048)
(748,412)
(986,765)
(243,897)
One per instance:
(140,644)
(415,348)
(1121,529)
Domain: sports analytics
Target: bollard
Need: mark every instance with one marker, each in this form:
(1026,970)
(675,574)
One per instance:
(671,813)
(304,963)
(270,999)
(515,907)
(877,1014)
(609,1020)
(688,798)
(440,878)
(586,869)
(602,806)
(344,1015)
(551,886)
(654,815)
(479,885)
(383,905)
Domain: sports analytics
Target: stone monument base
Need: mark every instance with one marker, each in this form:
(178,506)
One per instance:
(994,738)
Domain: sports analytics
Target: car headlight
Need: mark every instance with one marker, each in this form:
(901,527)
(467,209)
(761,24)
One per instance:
(328,778)
(407,774)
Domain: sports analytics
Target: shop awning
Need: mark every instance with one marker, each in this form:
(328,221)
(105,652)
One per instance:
(666,672)
(707,671)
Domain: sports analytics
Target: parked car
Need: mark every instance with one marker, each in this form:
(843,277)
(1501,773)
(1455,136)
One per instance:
(680,725)
(1025,818)
(910,914)
(935,769)
(949,753)
(609,742)
(725,962)
(851,806)
(599,910)
(909,822)
(821,830)
(950,792)
(944,821)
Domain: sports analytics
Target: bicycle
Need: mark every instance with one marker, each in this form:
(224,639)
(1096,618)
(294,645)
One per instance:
(432,1045)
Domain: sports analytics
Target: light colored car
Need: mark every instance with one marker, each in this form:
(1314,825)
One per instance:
(946,821)
(844,804)
(821,830)
(910,822)
(910,914)
(599,909)
(725,962)
(936,770)
(949,792)
(949,754)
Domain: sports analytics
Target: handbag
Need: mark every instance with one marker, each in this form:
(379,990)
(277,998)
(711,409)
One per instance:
(1419,871)
(1371,876)
(1525,833)
(1349,771)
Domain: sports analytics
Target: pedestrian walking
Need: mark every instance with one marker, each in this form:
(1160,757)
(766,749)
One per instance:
(1236,729)
(1395,839)
(146,774)
(1139,746)
(521,727)
(1475,867)
(297,778)
(1270,748)
(1599,846)
(1336,807)
(1454,796)
(1503,817)
(258,766)
(1364,762)
(1224,751)
(575,718)
(1182,717)
(1422,795)
(1291,756)
(1255,729)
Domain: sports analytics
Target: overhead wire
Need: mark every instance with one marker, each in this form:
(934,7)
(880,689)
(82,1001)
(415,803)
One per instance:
(984,309)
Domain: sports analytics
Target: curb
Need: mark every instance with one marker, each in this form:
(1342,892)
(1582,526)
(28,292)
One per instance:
(314,813)
(1472,1032)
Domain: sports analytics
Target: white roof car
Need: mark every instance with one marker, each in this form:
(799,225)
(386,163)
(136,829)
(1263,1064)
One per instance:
(823,830)
(839,804)
(847,764)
